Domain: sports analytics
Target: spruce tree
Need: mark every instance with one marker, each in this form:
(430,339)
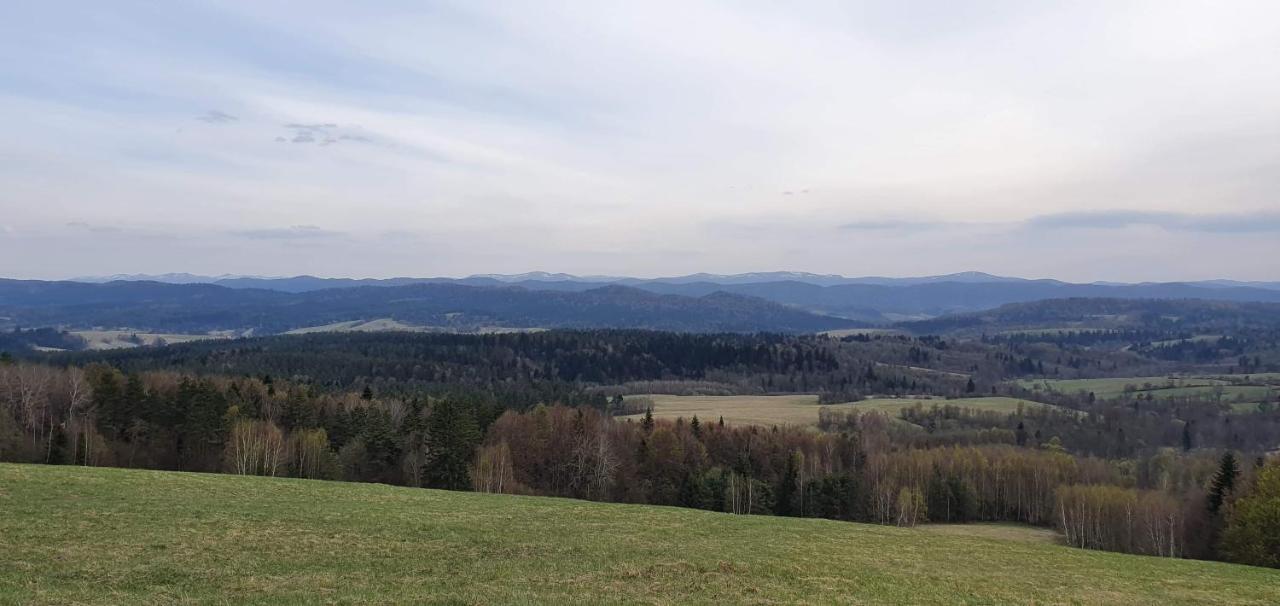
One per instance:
(1223,482)
(452,436)
(647,423)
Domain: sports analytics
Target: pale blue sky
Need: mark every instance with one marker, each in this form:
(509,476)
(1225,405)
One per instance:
(1100,140)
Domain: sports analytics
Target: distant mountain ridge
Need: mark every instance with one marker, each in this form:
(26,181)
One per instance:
(199,308)
(309,282)
(865,299)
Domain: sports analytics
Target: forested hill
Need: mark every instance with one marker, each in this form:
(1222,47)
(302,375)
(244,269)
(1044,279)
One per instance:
(1166,317)
(191,308)
(868,299)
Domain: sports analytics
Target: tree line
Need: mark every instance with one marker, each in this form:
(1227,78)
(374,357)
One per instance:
(1193,502)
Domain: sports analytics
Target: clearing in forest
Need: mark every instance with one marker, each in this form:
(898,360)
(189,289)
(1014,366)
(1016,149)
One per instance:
(799,409)
(893,406)
(802,409)
(1223,388)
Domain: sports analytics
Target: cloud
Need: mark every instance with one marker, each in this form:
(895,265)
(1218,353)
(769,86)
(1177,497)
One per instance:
(101,229)
(293,232)
(214,116)
(897,125)
(893,224)
(1121,219)
(320,133)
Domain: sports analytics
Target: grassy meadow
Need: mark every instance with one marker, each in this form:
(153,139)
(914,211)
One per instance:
(124,339)
(802,409)
(893,406)
(111,536)
(1227,387)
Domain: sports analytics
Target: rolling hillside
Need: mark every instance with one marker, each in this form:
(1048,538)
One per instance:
(199,308)
(100,536)
(875,299)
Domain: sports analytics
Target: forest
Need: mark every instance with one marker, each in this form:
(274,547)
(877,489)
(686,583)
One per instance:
(1183,475)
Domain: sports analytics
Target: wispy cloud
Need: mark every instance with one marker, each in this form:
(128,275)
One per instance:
(102,229)
(894,224)
(1121,219)
(320,133)
(843,127)
(214,116)
(293,232)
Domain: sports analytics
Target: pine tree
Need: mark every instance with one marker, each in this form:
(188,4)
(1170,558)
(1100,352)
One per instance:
(695,427)
(1223,482)
(787,486)
(647,423)
(451,440)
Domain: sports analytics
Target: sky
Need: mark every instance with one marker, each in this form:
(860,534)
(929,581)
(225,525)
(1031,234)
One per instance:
(1082,141)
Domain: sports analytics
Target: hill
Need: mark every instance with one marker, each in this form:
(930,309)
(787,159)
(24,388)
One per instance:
(98,536)
(199,308)
(1076,314)
(876,299)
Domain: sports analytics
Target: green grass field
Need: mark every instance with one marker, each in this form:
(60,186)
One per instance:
(893,406)
(1113,387)
(802,409)
(1162,387)
(109,536)
(799,409)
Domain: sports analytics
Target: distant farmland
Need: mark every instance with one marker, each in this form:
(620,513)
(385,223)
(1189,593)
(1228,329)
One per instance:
(1228,388)
(803,409)
(893,406)
(739,410)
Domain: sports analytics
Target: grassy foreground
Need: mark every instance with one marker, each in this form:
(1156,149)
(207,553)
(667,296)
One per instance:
(76,535)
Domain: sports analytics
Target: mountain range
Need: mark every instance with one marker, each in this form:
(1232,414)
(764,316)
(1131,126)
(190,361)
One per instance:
(306,282)
(201,308)
(866,299)
(769,301)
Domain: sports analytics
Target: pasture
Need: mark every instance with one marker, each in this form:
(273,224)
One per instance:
(801,409)
(123,339)
(894,406)
(1225,389)
(74,535)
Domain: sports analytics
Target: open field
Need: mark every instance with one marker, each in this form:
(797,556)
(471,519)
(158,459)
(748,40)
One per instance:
(110,536)
(1115,387)
(1163,387)
(1270,378)
(1229,393)
(121,339)
(380,325)
(799,409)
(857,332)
(803,409)
(893,406)
(390,325)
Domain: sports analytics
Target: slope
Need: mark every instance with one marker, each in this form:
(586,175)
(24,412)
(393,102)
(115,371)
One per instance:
(96,536)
